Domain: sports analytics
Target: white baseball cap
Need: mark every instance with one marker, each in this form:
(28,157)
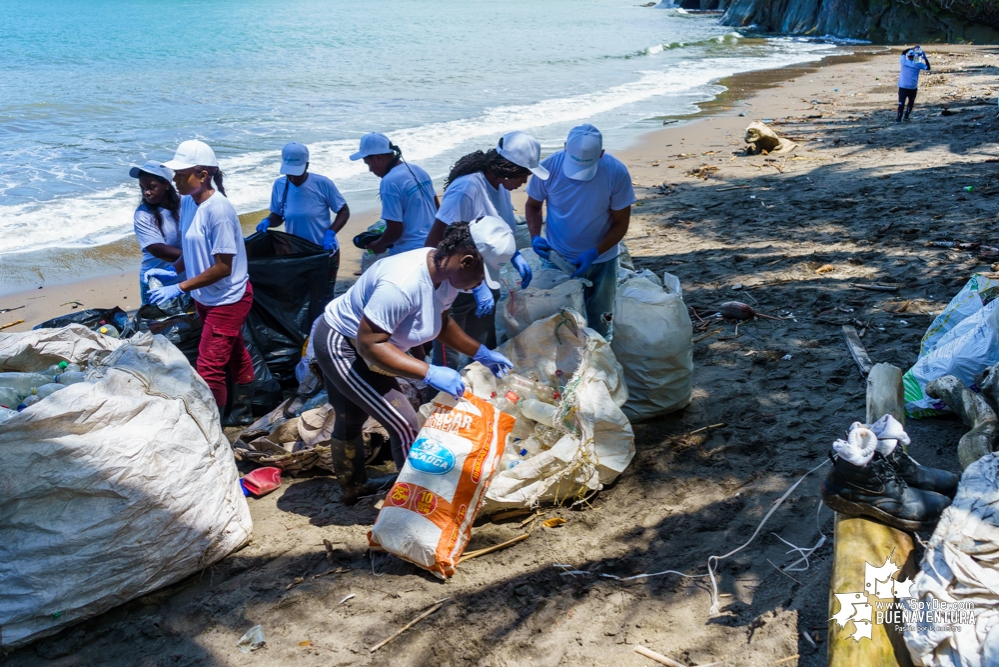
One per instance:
(494,241)
(373,143)
(294,157)
(582,152)
(154,167)
(524,151)
(192,153)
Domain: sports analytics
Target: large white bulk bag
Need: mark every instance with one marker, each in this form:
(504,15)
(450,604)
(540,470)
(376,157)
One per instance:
(112,487)
(653,342)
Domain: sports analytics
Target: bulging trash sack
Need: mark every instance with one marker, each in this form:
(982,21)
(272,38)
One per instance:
(109,488)
(653,342)
(593,441)
(551,290)
(977,293)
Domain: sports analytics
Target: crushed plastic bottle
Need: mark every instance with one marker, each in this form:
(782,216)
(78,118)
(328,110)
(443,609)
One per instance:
(9,397)
(546,435)
(252,640)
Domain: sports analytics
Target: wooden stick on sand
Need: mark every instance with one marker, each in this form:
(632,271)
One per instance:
(407,626)
(495,547)
(663,660)
(10,324)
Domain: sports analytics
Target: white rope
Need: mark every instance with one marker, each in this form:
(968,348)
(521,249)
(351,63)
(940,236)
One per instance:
(713,560)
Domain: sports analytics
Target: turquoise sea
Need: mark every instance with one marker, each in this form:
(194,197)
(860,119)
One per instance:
(88,88)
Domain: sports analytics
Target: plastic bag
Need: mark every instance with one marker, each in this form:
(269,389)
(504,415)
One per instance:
(597,441)
(289,278)
(110,488)
(979,291)
(428,514)
(653,342)
(965,351)
(91,318)
(551,290)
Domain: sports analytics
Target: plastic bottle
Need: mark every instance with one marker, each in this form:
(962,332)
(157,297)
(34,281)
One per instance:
(513,454)
(28,402)
(47,390)
(108,330)
(73,368)
(23,383)
(71,377)
(546,435)
(543,413)
(9,397)
(56,369)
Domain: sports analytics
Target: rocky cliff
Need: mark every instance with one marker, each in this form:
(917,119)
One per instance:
(881,21)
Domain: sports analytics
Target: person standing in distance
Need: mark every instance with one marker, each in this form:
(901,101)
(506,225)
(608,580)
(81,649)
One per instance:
(302,202)
(911,63)
(589,197)
(480,184)
(409,203)
(214,256)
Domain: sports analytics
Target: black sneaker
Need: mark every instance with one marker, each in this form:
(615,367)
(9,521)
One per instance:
(921,477)
(877,490)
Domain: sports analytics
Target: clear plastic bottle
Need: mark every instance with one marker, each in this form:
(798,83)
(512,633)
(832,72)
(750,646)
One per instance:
(47,390)
(73,368)
(71,377)
(28,402)
(546,435)
(543,413)
(108,330)
(56,369)
(23,383)
(513,455)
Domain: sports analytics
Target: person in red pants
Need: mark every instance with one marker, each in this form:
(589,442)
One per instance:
(214,255)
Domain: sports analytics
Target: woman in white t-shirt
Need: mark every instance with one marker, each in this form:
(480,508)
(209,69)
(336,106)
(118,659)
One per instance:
(480,184)
(215,259)
(398,305)
(156,227)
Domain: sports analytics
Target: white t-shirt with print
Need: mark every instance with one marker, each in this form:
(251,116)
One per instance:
(208,230)
(471,197)
(408,197)
(307,208)
(579,211)
(398,296)
(148,233)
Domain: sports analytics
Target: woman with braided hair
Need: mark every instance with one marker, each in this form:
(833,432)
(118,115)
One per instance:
(480,184)
(399,304)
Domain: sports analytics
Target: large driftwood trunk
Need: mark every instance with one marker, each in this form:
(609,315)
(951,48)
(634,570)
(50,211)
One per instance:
(859,540)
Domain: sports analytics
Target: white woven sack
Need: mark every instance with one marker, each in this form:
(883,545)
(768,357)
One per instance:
(112,487)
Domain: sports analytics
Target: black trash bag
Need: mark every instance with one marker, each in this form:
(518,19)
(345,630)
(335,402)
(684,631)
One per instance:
(92,318)
(289,278)
(266,389)
(183,330)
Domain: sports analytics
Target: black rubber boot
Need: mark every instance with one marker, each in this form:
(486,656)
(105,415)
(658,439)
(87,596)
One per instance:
(921,477)
(241,413)
(348,467)
(877,490)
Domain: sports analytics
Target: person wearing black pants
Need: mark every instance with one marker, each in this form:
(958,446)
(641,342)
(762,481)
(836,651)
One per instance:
(911,63)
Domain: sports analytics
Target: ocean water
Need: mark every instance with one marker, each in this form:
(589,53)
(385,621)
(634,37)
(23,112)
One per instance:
(88,88)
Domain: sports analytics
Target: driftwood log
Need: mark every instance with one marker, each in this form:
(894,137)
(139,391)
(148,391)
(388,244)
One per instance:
(860,540)
(974,411)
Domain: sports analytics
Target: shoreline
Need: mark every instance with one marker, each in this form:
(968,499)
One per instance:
(114,280)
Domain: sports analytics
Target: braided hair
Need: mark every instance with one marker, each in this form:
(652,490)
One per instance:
(171,201)
(490,161)
(457,241)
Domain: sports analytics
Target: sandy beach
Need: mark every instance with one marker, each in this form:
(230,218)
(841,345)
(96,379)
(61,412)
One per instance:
(789,233)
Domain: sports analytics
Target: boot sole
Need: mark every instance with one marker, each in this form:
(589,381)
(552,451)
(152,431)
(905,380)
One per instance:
(850,508)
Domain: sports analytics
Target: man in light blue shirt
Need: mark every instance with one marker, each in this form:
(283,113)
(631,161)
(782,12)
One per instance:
(302,202)
(910,66)
(409,203)
(589,197)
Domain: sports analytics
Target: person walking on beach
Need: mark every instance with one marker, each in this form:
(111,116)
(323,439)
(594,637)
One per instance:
(214,254)
(479,184)
(156,222)
(409,203)
(589,195)
(399,304)
(302,202)
(911,63)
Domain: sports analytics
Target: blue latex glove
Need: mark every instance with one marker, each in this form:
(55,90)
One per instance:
(264,225)
(484,298)
(164,274)
(165,293)
(329,240)
(523,268)
(493,360)
(541,246)
(584,261)
(445,379)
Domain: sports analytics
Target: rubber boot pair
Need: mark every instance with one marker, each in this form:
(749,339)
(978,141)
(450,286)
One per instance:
(893,489)
(348,467)
(241,411)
